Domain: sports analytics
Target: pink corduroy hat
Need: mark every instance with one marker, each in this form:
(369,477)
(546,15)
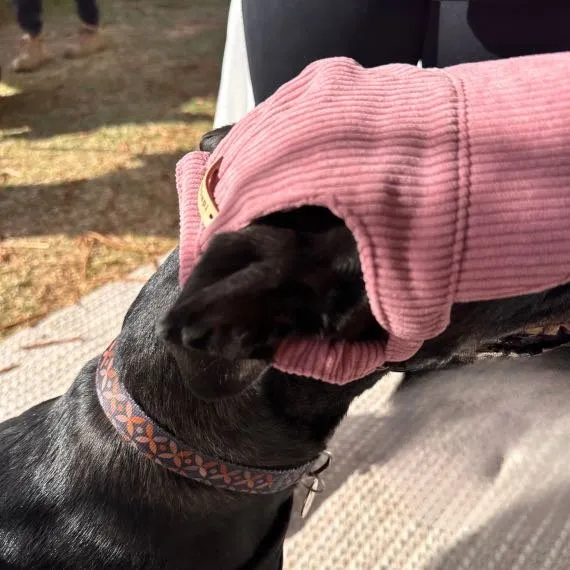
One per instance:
(436,217)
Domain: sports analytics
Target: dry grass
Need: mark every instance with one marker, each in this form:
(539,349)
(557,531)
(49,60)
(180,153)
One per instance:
(88,148)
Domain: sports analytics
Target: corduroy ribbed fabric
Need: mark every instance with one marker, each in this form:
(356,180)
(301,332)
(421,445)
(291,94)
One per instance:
(455,184)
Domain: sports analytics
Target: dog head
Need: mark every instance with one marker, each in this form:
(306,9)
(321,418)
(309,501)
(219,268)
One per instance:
(298,272)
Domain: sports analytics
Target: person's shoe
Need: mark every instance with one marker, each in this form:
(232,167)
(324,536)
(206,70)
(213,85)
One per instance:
(32,55)
(89,41)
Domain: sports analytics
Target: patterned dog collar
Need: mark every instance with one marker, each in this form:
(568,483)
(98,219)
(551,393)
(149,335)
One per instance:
(163,448)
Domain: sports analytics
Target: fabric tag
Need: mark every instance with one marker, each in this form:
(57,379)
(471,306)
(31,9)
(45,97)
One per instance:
(206,204)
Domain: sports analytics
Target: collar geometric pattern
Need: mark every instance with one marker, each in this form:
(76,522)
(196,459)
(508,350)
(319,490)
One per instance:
(158,445)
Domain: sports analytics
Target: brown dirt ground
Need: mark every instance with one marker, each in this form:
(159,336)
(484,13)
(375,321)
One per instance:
(88,147)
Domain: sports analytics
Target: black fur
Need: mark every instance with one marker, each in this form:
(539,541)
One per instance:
(74,495)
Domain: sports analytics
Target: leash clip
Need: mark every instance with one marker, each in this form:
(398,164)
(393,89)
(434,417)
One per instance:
(314,482)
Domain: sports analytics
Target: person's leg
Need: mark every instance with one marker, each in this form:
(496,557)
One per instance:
(284,36)
(29,16)
(90,39)
(32,53)
(88,12)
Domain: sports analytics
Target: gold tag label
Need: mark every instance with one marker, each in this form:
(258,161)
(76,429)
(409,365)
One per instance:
(206,204)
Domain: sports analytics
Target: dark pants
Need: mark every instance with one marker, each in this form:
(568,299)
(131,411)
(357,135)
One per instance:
(29,14)
(284,36)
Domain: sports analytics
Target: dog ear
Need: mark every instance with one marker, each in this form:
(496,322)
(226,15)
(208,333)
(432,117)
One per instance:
(254,287)
(212,139)
(237,304)
(244,295)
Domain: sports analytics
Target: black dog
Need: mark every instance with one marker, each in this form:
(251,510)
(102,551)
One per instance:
(73,494)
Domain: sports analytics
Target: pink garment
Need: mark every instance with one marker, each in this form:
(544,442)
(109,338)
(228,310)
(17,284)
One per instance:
(455,183)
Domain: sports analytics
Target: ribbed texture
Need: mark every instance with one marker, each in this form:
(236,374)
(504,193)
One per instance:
(455,184)
(336,363)
(189,173)
(517,116)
